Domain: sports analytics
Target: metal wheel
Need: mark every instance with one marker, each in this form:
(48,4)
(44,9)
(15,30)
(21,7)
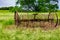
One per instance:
(53,18)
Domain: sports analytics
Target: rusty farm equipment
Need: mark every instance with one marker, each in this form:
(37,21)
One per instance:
(36,20)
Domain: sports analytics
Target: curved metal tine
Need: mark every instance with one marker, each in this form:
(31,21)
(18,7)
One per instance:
(53,19)
(16,18)
(56,19)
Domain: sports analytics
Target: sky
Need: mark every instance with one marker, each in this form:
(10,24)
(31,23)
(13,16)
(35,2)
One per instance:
(7,3)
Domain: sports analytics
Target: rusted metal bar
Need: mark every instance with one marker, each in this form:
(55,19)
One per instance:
(38,20)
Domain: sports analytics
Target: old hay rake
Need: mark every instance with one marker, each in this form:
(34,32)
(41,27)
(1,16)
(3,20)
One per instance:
(36,20)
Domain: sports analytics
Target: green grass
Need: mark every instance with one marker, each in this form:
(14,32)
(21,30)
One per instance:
(9,22)
(6,18)
(29,34)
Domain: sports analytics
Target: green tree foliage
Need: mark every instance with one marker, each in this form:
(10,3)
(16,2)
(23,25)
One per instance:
(38,5)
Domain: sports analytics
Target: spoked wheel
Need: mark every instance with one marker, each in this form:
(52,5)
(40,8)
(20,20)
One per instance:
(53,18)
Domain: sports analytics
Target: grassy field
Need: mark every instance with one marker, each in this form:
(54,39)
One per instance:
(8,30)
